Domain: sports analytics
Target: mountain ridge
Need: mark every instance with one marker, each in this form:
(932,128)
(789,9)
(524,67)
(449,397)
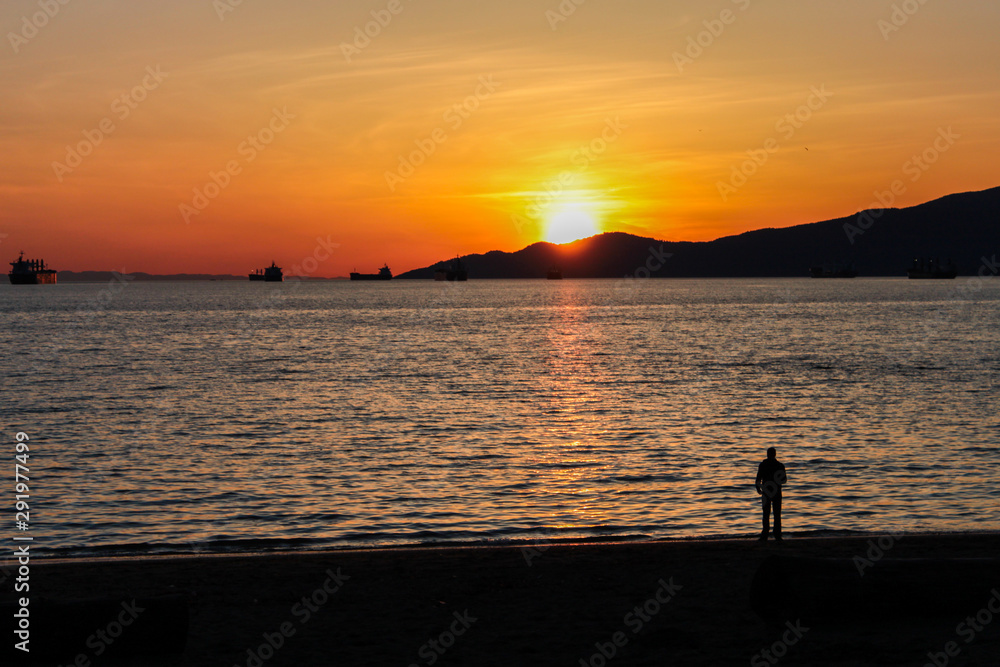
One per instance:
(878,242)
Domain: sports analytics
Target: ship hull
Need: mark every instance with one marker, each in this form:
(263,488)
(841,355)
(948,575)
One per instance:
(38,278)
(271,274)
(452,272)
(931,269)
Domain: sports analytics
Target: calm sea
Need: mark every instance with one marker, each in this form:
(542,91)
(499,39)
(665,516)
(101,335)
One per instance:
(245,416)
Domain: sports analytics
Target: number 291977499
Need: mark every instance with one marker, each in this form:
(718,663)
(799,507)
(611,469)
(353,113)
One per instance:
(21,480)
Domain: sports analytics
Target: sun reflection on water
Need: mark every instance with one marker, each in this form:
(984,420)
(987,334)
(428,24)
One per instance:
(521,410)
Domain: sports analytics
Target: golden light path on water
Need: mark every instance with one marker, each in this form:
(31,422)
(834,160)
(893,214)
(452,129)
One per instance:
(217,416)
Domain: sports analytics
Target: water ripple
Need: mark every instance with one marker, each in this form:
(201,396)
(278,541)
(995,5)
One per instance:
(193,417)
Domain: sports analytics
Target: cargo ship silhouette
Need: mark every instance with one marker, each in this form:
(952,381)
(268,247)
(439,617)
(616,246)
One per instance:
(932,269)
(456,271)
(31,272)
(271,274)
(383,274)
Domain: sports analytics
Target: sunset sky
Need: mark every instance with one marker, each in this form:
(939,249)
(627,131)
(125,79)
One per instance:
(442,132)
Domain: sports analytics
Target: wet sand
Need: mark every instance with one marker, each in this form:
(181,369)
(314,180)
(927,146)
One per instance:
(650,603)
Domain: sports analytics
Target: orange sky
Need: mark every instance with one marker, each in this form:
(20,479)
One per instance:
(595,108)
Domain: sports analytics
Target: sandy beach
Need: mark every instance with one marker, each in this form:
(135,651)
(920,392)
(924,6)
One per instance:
(653,603)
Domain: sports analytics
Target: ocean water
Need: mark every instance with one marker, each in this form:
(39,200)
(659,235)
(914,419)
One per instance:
(215,416)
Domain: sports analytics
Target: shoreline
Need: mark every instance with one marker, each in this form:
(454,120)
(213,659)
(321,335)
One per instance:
(48,557)
(534,603)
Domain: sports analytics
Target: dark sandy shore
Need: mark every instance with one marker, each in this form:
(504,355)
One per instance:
(653,603)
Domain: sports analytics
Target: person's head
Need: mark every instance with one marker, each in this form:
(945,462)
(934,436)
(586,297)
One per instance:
(771,452)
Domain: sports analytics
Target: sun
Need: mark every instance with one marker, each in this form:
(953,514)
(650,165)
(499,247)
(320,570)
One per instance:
(571,223)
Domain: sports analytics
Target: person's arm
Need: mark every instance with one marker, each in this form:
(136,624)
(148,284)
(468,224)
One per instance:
(760,476)
(780,476)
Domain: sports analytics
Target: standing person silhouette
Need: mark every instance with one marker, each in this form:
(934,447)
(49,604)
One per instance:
(770,477)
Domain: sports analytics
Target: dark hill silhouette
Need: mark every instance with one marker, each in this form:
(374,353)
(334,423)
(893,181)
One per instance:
(882,242)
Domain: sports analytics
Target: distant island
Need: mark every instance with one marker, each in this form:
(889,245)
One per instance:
(963,228)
